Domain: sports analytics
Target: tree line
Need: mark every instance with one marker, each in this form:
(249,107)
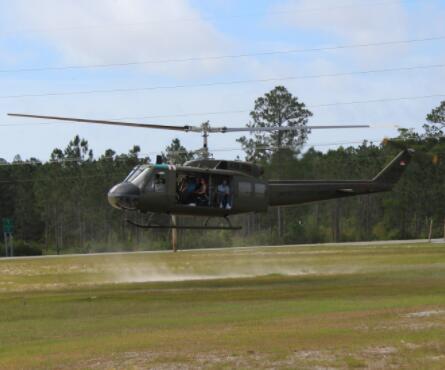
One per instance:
(60,206)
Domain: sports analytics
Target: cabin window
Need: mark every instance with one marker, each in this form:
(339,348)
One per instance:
(244,188)
(157,182)
(260,190)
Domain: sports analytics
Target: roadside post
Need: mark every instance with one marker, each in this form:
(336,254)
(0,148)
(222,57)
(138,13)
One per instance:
(430,233)
(8,228)
(444,229)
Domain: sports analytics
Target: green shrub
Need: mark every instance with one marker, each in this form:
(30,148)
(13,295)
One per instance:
(23,248)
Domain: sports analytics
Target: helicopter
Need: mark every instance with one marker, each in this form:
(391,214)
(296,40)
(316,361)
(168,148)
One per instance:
(214,188)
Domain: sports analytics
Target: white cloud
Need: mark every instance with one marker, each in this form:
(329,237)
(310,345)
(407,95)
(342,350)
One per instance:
(349,23)
(358,21)
(123,30)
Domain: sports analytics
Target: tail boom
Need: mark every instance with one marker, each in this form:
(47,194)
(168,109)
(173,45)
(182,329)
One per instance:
(292,192)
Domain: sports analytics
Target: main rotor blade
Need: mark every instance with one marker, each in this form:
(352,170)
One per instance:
(185,128)
(286,128)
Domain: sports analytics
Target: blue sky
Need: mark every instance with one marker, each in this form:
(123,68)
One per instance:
(80,32)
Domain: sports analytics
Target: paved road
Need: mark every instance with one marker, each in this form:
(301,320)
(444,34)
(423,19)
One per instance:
(380,242)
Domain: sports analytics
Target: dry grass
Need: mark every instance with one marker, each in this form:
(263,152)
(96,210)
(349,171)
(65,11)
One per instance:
(307,308)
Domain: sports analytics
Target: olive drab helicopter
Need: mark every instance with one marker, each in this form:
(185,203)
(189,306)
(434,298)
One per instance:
(213,188)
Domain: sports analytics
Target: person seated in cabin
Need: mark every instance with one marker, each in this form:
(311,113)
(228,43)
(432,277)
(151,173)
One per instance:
(159,185)
(223,195)
(181,190)
(189,196)
(200,193)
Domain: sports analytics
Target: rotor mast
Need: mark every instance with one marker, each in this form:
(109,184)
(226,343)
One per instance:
(205,127)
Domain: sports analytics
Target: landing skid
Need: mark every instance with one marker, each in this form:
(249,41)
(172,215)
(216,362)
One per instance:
(174,227)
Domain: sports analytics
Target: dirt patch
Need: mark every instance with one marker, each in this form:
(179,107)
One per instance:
(246,360)
(381,350)
(314,355)
(425,313)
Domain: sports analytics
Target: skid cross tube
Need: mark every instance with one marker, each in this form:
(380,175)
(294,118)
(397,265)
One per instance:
(184,227)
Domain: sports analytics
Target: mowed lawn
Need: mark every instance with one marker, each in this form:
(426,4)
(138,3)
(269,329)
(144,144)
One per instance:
(313,307)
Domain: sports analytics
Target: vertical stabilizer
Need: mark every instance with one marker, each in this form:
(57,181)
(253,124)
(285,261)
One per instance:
(394,170)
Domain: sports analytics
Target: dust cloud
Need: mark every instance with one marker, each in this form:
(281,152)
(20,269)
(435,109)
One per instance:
(162,272)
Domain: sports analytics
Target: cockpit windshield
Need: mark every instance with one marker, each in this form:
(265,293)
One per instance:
(141,179)
(136,174)
(148,178)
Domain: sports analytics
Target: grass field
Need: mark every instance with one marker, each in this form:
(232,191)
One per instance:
(314,307)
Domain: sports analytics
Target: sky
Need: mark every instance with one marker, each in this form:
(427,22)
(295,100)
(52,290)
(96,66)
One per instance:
(175,70)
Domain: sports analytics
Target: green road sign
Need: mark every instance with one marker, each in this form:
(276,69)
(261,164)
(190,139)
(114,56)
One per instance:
(7,225)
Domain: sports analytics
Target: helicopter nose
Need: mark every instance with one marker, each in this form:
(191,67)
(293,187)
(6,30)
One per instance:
(124,196)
